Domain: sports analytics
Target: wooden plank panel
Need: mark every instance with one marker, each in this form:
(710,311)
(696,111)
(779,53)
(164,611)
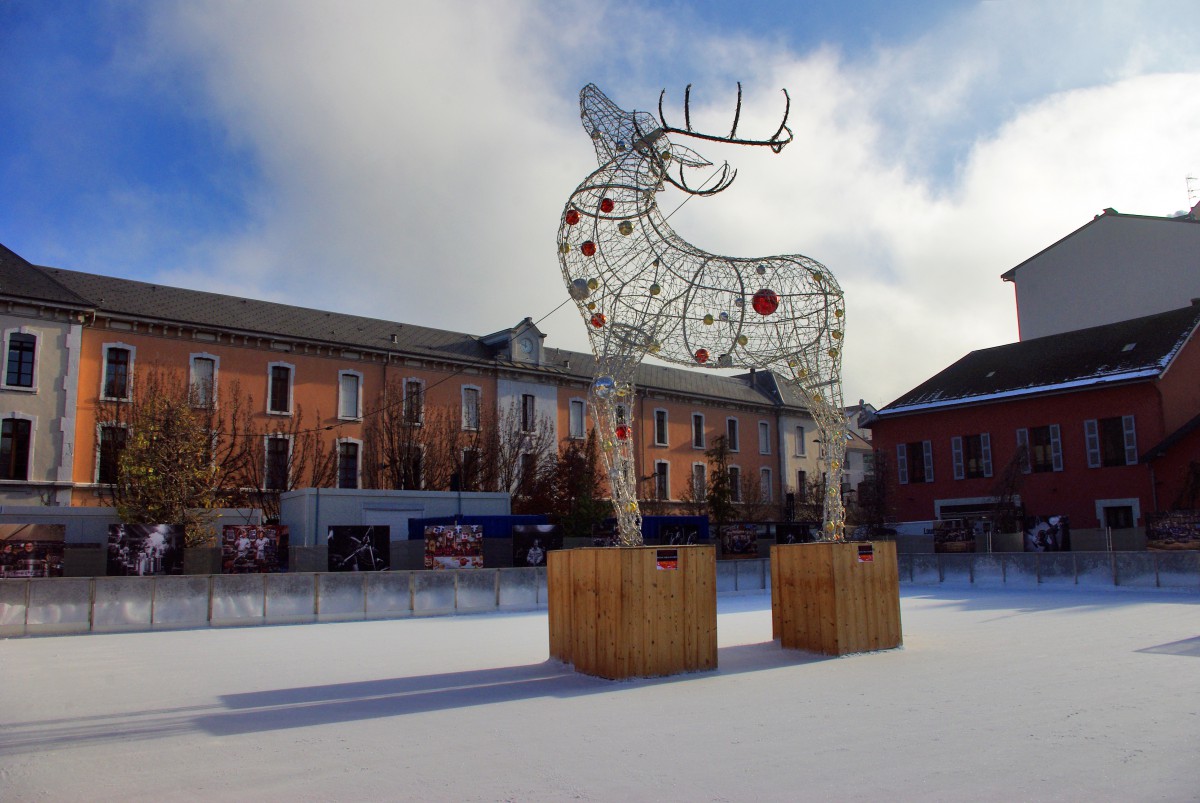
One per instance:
(776,608)
(656,647)
(705,607)
(674,605)
(892,633)
(633,620)
(616,615)
(825,591)
(559,603)
(610,653)
(583,601)
(825,600)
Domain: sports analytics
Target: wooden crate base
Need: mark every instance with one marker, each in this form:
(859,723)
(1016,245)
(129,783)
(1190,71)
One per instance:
(835,598)
(630,612)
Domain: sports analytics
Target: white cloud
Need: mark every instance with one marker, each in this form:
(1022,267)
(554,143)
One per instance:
(416,156)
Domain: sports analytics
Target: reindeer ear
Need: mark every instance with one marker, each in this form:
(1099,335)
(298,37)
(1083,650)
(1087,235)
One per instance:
(688,157)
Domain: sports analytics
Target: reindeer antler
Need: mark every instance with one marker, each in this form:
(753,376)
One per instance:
(775,143)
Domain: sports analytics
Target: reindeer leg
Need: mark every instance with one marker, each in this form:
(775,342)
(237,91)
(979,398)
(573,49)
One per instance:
(612,388)
(824,398)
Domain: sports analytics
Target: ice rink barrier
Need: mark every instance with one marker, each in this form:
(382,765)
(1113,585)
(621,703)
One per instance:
(1151,569)
(63,605)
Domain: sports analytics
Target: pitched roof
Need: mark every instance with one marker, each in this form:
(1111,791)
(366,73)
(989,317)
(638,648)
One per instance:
(20,279)
(266,318)
(1168,443)
(1105,218)
(174,305)
(1141,348)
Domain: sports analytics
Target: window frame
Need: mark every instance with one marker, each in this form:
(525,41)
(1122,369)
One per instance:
(734,472)
(410,453)
(902,462)
(24,331)
(661,427)
(801,449)
(733,434)
(291,384)
(766,485)
(287,465)
(409,416)
(1098,437)
(358,396)
(469,423)
(961,449)
(698,429)
(764,437)
(702,491)
(662,480)
(216,367)
(573,433)
(101,426)
(470,480)
(358,452)
(1027,442)
(30,422)
(528,412)
(105,348)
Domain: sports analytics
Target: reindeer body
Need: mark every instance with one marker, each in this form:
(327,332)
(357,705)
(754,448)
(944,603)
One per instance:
(642,289)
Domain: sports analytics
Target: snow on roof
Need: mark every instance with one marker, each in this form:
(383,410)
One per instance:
(1133,350)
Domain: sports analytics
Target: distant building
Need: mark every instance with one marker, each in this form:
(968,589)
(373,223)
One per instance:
(1114,268)
(41,323)
(298,371)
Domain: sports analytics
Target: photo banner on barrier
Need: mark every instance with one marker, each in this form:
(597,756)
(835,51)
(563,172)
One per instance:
(31,550)
(532,542)
(1173,530)
(358,548)
(454,546)
(143,550)
(254,548)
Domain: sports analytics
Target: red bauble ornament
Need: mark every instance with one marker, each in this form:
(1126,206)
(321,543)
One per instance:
(598,320)
(623,432)
(606,205)
(588,248)
(765,301)
(572,217)
(701,355)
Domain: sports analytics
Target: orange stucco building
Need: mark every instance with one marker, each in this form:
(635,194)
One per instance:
(293,372)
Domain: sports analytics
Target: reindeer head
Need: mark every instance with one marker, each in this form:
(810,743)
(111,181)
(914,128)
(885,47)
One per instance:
(639,141)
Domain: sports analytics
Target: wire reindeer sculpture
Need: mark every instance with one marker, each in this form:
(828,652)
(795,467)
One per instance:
(642,289)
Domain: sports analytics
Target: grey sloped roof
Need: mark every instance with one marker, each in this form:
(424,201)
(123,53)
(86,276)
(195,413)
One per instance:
(20,279)
(266,318)
(1141,348)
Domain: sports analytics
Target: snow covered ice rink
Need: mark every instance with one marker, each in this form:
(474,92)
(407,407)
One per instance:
(996,695)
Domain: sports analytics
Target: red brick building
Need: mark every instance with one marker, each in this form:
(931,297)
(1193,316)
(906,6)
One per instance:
(1100,424)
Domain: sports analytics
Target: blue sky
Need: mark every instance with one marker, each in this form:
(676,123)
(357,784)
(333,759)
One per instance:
(409,160)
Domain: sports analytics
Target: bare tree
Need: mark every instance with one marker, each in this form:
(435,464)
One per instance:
(282,456)
(756,504)
(394,442)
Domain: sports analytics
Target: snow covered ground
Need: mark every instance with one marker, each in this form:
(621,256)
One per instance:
(996,695)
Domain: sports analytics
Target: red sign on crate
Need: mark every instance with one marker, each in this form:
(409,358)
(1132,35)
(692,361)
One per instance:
(866,553)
